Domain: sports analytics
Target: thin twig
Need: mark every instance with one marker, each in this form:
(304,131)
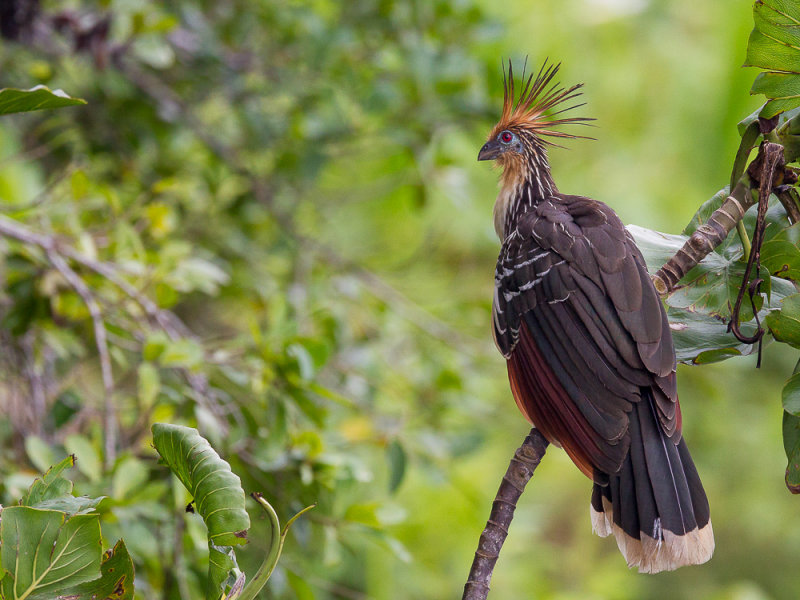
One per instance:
(520,470)
(109,413)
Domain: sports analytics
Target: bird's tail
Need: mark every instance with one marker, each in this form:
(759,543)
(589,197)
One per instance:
(655,505)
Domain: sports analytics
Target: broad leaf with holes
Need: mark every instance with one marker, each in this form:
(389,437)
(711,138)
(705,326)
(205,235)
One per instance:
(699,309)
(115,582)
(217,493)
(45,551)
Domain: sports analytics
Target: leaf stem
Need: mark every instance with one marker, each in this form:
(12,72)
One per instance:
(745,239)
(277,538)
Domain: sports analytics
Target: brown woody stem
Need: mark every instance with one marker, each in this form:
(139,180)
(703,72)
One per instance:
(706,237)
(520,470)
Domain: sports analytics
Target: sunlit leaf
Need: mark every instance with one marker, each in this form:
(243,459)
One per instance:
(149,384)
(39,453)
(301,588)
(364,514)
(130,474)
(86,455)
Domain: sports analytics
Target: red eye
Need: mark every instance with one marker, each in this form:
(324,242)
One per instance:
(506,137)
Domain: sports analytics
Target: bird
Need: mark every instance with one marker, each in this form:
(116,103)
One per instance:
(588,347)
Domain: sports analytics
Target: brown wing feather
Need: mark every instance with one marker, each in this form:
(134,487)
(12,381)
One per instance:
(583,330)
(542,399)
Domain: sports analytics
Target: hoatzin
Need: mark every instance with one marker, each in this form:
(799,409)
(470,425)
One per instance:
(587,341)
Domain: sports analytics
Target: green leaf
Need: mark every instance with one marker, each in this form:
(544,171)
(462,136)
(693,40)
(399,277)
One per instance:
(71,505)
(785,322)
(149,384)
(50,485)
(38,98)
(783,88)
(115,582)
(791,444)
(217,492)
(222,570)
(39,453)
(365,514)
(774,45)
(45,551)
(301,588)
(86,457)
(396,457)
(181,353)
(129,474)
(791,395)
(781,255)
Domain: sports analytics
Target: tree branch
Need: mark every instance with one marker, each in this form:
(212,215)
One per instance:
(714,231)
(520,470)
(706,237)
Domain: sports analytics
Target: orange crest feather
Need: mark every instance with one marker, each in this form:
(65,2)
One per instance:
(539,95)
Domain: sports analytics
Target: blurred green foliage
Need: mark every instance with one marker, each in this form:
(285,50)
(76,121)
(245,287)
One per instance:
(293,184)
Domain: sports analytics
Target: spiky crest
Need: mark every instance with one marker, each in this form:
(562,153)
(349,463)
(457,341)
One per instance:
(539,95)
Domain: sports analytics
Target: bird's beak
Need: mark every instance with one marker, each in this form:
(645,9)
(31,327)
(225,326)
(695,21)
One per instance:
(490,150)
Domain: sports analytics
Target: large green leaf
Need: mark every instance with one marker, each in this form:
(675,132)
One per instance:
(791,395)
(699,309)
(115,582)
(791,444)
(45,551)
(37,98)
(774,45)
(217,493)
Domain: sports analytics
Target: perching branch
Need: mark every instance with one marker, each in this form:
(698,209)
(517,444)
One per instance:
(520,470)
(713,232)
(706,237)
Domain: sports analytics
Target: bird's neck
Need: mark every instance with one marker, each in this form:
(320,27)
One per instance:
(524,184)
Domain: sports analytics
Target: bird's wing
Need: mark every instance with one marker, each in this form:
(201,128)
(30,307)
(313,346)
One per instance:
(583,329)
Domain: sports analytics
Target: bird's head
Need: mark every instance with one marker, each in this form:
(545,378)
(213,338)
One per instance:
(528,119)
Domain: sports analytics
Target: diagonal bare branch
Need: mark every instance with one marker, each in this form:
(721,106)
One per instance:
(520,470)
